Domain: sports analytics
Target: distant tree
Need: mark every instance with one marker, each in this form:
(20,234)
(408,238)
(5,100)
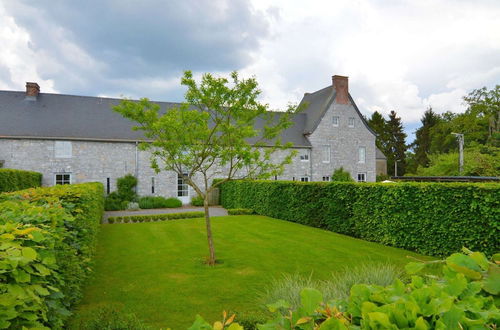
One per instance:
(422,144)
(396,145)
(379,126)
(341,175)
(212,135)
(484,104)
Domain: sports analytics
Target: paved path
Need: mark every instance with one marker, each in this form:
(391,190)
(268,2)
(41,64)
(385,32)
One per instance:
(214,211)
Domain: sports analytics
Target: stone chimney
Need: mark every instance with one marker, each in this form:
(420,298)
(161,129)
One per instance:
(341,86)
(32,90)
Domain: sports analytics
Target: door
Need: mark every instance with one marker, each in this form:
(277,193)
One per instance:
(182,190)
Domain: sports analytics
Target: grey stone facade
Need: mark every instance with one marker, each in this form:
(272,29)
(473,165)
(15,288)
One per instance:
(331,128)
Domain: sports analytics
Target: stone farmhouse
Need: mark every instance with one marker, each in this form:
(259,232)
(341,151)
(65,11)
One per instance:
(72,139)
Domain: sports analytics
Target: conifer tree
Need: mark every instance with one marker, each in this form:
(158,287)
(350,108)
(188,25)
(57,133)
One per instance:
(396,147)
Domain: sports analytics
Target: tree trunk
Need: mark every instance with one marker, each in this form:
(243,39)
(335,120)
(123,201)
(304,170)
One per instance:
(211,249)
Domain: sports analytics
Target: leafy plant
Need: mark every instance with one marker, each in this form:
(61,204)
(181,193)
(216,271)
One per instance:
(341,175)
(12,180)
(126,187)
(157,217)
(239,211)
(197,201)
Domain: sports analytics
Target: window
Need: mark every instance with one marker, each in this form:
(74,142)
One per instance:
(361,177)
(152,184)
(275,177)
(361,155)
(62,149)
(304,155)
(293,179)
(335,120)
(304,179)
(351,121)
(108,186)
(326,178)
(64,178)
(182,187)
(326,153)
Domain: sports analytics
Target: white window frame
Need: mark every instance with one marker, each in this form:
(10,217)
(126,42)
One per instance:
(182,187)
(363,175)
(361,155)
(335,121)
(69,181)
(63,149)
(351,122)
(327,178)
(327,151)
(305,156)
(304,179)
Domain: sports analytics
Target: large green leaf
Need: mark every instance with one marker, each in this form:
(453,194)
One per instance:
(310,300)
(491,283)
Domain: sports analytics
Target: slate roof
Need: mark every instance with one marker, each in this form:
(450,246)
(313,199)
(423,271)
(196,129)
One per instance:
(71,117)
(58,116)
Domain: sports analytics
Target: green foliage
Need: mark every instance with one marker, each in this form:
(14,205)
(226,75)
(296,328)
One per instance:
(126,187)
(382,177)
(341,175)
(478,161)
(462,296)
(158,202)
(155,217)
(113,202)
(47,240)
(430,218)
(422,143)
(338,286)
(197,201)
(12,180)
(107,318)
(239,211)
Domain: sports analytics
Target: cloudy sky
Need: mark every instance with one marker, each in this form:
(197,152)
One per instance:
(402,55)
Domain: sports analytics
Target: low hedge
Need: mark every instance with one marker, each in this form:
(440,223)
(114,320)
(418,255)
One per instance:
(155,217)
(239,211)
(48,238)
(12,180)
(158,202)
(430,218)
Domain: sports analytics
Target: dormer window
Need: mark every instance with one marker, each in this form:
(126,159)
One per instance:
(351,122)
(304,155)
(335,121)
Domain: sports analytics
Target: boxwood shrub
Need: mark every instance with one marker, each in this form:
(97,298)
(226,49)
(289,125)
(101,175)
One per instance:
(430,218)
(239,211)
(48,238)
(12,180)
(155,217)
(158,202)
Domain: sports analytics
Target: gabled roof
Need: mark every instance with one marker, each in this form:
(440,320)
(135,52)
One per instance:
(70,117)
(318,104)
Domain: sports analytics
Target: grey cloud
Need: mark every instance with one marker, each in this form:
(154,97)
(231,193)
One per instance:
(150,38)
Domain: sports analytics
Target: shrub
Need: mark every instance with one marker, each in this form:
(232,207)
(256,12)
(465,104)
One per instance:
(197,201)
(430,218)
(239,211)
(113,202)
(55,229)
(126,186)
(159,217)
(111,220)
(341,175)
(158,202)
(12,180)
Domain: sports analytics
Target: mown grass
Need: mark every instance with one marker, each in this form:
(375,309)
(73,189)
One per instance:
(157,270)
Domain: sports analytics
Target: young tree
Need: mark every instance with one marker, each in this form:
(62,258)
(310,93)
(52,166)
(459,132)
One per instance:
(396,147)
(221,131)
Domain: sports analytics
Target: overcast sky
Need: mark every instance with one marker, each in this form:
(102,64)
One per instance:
(399,55)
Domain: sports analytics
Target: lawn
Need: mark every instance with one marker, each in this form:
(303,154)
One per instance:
(156,270)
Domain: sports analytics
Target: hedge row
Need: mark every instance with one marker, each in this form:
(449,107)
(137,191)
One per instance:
(47,240)
(12,180)
(155,217)
(430,218)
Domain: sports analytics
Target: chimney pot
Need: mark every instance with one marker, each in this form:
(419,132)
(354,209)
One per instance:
(341,86)
(32,89)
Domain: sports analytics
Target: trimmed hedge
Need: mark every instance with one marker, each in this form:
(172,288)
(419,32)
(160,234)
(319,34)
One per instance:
(54,229)
(155,217)
(12,180)
(158,202)
(239,211)
(430,218)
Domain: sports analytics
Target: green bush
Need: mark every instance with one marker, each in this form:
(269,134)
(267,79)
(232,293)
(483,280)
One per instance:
(12,180)
(113,202)
(341,175)
(126,187)
(239,211)
(55,230)
(158,202)
(429,218)
(197,201)
(157,217)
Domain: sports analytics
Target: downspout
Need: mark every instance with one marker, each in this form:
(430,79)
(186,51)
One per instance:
(311,163)
(136,164)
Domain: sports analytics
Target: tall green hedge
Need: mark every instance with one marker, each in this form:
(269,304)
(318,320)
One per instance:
(47,240)
(12,180)
(430,218)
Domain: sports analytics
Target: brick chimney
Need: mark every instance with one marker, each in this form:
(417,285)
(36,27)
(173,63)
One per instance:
(341,86)
(32,90)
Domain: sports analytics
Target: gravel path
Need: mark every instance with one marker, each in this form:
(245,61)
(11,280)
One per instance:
(214,211)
